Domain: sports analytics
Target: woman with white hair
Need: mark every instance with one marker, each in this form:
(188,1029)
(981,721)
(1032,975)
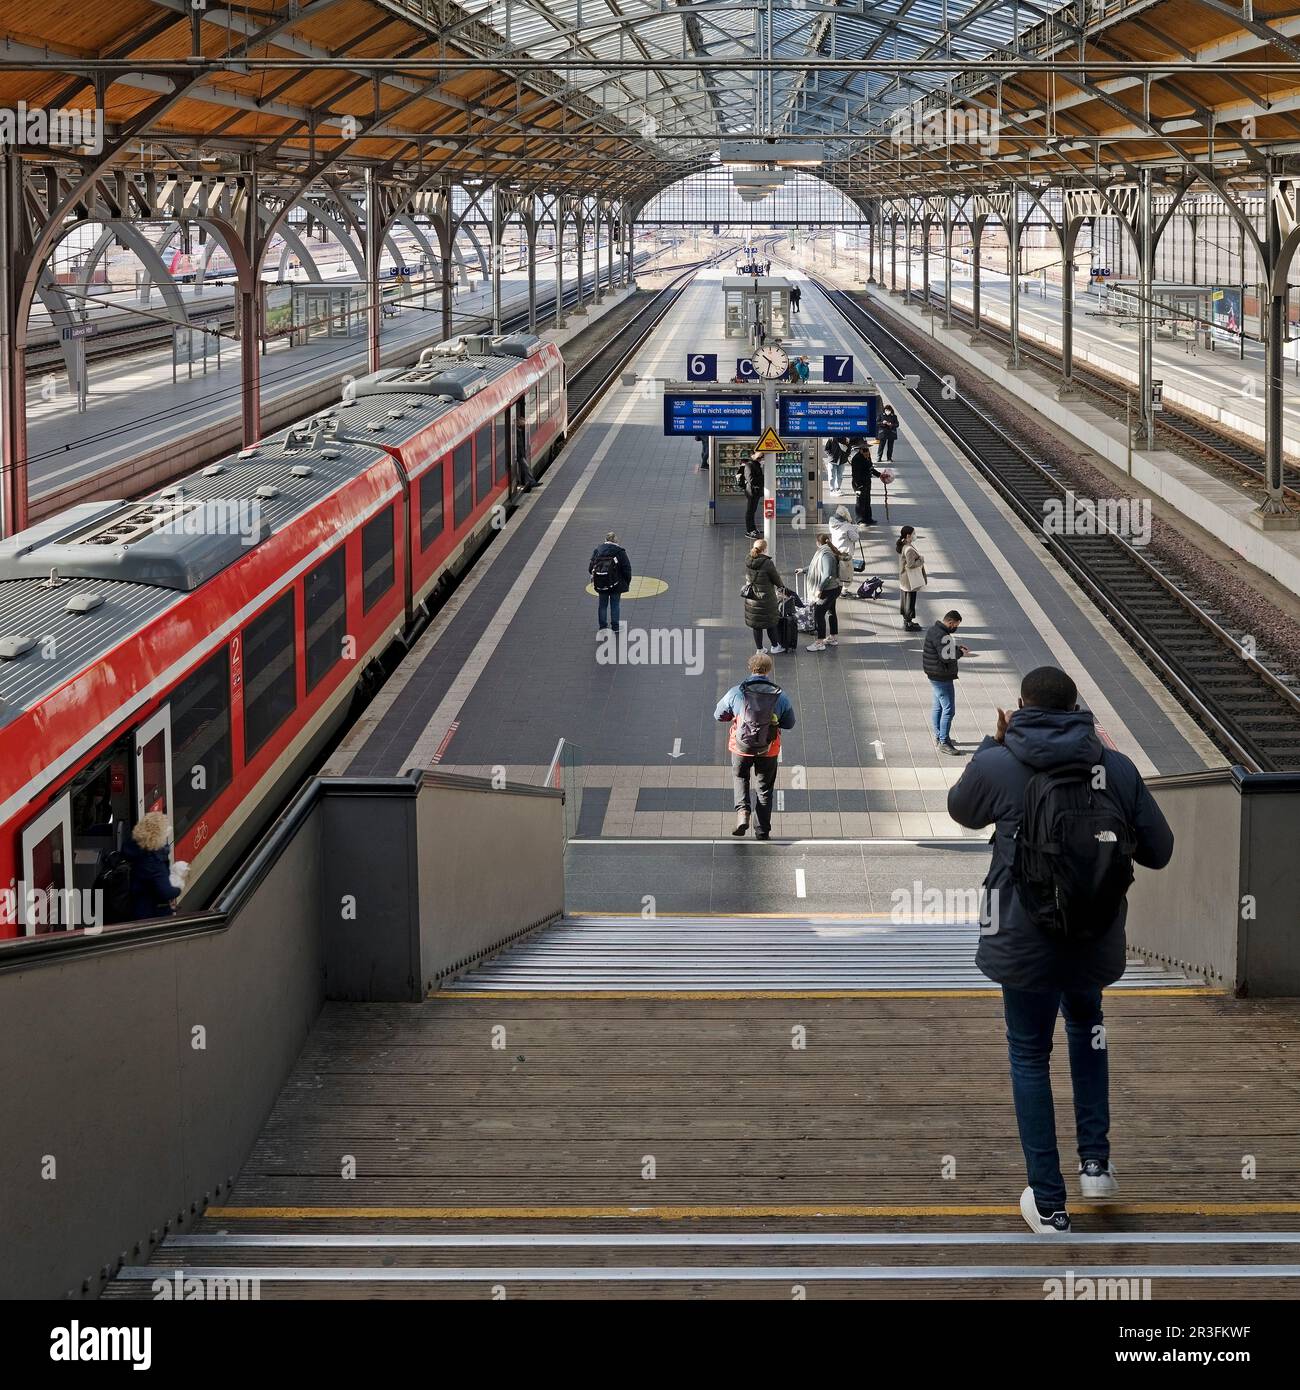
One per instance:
(844,537)
(153,889)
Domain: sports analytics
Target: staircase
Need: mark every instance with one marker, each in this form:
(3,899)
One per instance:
(757,1107)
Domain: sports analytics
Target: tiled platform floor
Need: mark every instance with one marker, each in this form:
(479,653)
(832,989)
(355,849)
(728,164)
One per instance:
(511,668)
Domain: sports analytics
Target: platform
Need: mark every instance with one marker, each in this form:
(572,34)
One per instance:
(509,667)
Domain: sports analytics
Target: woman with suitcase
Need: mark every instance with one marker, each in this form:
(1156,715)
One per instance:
(823,591)
(912,577)
(762,592)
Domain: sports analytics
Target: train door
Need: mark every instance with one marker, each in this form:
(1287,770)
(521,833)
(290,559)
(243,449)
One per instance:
(523,463)
(47,869)
(153,764)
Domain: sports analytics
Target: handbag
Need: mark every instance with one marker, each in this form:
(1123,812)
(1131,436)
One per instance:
(860,564)
(747,590)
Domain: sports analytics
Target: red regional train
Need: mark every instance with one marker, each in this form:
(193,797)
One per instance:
(194,651)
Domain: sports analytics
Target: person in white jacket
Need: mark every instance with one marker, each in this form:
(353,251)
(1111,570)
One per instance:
(844,531)
(823,591)
(912,577)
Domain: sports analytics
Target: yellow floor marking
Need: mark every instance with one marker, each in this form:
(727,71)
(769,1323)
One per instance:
(642,587)
(684,1213)
(993,992)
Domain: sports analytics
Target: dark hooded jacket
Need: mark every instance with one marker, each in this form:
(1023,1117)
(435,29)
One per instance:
(1012,950)
(935,661)
(764,608)
(624,564)
(152,889)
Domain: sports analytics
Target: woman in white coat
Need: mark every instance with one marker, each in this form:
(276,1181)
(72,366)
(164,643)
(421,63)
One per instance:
(912,577)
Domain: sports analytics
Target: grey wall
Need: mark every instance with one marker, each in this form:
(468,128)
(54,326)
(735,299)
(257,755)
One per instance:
(1187,913)
(103,1077)
(465,913)
(1228,905)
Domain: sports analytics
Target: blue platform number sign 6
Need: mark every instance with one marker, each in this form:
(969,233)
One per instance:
(745,369)
(837,367)
(702,366)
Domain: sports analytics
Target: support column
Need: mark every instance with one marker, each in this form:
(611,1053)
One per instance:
(1146,320)
(925,266)
(629,247)
(871,250)
(1274,513)
(372,246)
(609,252)
(893,256)
(530,230)
(580,228)
(498,224)
(907,295)
(1069,239)
(976,237)
(248,314)
(13,351)
(947,266)
(1013,265)
(559,263)
(597,293)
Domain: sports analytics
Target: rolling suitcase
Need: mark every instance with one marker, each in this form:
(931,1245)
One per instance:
(787,625)
(803,609)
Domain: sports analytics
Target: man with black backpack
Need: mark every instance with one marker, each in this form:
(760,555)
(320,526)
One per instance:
(749,478)
(757,710)
(1070,819)
(611,577)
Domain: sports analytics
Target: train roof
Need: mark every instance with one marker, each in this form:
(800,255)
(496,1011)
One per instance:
(75,585)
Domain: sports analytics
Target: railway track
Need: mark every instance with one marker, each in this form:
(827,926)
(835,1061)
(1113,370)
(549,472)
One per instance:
(1250,710)
(1229,458)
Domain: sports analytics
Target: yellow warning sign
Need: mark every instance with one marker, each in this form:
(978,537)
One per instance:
(770,443)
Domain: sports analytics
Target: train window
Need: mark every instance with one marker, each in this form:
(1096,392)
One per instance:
(483,463)
(431,506)
(543,399)
(376,559)
(325,615)
(502,454)
(201,761)
(462,466)
(532,405)
(270,673)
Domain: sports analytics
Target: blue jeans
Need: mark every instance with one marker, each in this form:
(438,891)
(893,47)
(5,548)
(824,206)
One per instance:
(607,610)
(942,708)
(837,475)
(1031,1020)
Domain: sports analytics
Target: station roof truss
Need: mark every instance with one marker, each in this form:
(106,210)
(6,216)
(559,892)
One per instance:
(620,98)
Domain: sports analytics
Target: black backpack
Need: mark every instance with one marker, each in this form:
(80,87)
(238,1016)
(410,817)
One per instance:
(756,727)
(604,574)
(1074,853)
(114,881)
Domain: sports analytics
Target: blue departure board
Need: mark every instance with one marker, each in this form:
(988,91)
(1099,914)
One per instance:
(688,413)
(826,415)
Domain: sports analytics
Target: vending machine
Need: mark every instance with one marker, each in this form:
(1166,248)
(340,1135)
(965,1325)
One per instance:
(796,482)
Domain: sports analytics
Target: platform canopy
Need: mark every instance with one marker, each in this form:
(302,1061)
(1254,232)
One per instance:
(624,97)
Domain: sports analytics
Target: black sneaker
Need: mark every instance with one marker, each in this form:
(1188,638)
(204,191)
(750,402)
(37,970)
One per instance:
(949,747)
(1055,1224)
(762,834)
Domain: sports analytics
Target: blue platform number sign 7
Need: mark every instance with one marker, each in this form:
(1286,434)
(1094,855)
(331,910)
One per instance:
(745,369)
(837,367)
(702,366)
